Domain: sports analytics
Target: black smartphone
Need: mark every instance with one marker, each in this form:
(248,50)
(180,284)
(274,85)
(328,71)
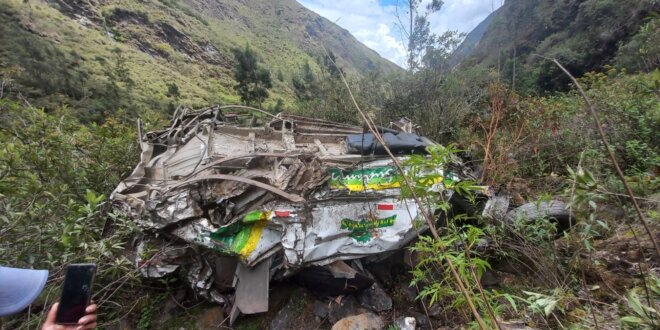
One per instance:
(76,293)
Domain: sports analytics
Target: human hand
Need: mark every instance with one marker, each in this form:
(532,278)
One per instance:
(86,322)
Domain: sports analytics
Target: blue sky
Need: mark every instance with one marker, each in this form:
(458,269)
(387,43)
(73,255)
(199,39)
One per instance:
(374,22)
(388,2)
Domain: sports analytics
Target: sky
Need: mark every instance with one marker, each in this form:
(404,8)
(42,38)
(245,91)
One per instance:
(374,22)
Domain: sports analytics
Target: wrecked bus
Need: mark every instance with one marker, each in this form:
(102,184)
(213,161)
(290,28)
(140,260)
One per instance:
(240,203)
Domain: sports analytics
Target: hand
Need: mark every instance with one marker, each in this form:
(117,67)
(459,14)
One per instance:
(86,322)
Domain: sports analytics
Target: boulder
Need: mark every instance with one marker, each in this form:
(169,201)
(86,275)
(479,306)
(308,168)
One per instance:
(321,309)
(405,323)
(366,321)
(284,318)
(375,298)
(333,311)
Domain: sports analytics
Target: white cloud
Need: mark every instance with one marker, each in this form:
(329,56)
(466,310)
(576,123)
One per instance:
(462,15)
(367,20)
(375,24)
(382,41)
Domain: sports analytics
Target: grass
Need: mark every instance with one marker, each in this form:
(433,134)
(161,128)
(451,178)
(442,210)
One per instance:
(282,47)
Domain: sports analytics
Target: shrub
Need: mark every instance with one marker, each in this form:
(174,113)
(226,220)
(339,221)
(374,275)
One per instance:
(55,175)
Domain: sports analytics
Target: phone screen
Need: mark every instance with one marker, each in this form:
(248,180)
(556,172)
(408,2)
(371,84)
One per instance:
(76,293)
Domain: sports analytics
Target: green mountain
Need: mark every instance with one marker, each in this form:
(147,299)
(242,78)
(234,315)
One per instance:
(471,41)
(585,35)
(96,55)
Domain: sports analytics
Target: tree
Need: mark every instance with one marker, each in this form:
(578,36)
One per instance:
(321,93)
(330,64)
(279,107)
(305,84)
(253,80)
(119,76)
(418,31)
(439,49)
(173,90)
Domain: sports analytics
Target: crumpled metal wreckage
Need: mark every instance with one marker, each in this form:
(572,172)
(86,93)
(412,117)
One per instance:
(244,204)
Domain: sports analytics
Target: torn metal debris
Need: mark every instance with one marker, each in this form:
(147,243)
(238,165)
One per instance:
(246,203)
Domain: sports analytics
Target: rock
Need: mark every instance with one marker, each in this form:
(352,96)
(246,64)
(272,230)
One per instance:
(406,323)
(513,325)
(285,317)
(321,309)
(348,306)
(375,298)
(293,306)
(169,309)
(489,278)
(409,292)
(422,321)
(211,318)
(333,311)
(433,310)
(366,321)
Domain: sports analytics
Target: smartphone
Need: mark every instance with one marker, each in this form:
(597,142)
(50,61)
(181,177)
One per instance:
(76,293)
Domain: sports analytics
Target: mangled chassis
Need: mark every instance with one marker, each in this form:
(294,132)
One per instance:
(242,205)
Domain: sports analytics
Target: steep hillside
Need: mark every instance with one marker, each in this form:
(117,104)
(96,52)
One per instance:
(96,55)
(471,41)
(271,25)
(583,34)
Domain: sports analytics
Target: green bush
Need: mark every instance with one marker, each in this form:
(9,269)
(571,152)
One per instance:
(553,131)
(642,53)
(55,175)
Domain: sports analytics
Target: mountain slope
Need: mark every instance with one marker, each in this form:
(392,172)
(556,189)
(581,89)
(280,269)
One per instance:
(583,34)
(471,41)
(289,21)
(97,55)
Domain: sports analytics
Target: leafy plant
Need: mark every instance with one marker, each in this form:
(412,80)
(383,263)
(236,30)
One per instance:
(253,80)
(584,201)
(641,52)
(542,303)
(644,316)
(438,282)
(51,170)
(148,311)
